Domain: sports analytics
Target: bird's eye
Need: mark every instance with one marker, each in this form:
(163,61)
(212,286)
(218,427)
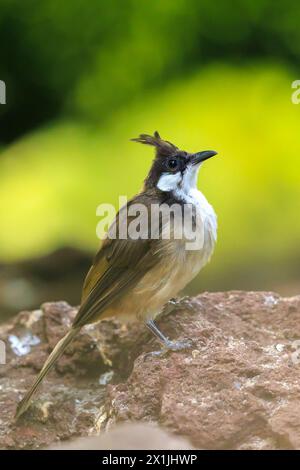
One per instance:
(172,164)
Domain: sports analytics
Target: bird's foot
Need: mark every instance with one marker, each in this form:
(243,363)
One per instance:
(170,346)
(179,345)
(159,353)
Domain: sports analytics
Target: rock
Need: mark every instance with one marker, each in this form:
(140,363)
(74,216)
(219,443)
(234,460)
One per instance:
(71,398)
(237,387)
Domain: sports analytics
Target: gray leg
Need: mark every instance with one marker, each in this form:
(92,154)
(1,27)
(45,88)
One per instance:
(168,344)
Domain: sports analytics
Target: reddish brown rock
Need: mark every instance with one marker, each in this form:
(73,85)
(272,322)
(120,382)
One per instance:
(71,398)
(238,387)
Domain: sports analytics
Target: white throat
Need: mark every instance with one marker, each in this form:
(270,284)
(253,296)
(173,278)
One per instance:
(180,185)
(184,189)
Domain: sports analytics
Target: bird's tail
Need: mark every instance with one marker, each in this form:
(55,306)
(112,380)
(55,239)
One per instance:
(55,354)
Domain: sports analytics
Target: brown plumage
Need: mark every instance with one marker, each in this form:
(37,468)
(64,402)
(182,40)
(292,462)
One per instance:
(133,279)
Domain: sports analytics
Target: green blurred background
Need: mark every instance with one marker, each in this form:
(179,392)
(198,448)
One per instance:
(84,77)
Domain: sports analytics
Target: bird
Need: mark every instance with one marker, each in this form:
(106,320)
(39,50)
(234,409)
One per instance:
(133,278)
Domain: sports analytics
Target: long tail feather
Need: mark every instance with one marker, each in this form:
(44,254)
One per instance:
(55,354)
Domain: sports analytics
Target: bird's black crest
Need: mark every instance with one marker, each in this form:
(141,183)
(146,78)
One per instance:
(163,147)
(164,151)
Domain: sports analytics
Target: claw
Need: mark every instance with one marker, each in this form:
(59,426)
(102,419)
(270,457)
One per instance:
(179,345)
(171,346)
(160,353)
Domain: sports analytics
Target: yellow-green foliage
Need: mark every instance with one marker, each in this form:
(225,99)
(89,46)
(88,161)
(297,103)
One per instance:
(52,181)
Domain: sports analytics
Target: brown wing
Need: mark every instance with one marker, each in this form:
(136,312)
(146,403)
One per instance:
(118,266)
(95,273)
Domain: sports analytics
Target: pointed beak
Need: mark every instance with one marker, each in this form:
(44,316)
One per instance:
(202,156)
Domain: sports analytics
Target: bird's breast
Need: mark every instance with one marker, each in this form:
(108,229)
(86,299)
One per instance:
(181,257)
(179,261)
(193,233)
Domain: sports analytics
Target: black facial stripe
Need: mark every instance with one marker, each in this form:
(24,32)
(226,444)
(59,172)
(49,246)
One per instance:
(160,166)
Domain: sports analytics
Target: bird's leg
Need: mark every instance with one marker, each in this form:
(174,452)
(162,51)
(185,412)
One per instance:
(168,344)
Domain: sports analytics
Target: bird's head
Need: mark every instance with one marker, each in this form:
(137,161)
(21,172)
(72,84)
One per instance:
(172,169)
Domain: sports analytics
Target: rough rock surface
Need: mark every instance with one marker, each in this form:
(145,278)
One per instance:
(238,387)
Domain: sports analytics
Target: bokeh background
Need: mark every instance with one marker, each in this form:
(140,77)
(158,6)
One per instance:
(84,77)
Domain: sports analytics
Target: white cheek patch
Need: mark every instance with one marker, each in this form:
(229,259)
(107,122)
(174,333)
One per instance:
(169,181)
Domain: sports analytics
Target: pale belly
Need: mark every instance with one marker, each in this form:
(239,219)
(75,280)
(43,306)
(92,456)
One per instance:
(177,268)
